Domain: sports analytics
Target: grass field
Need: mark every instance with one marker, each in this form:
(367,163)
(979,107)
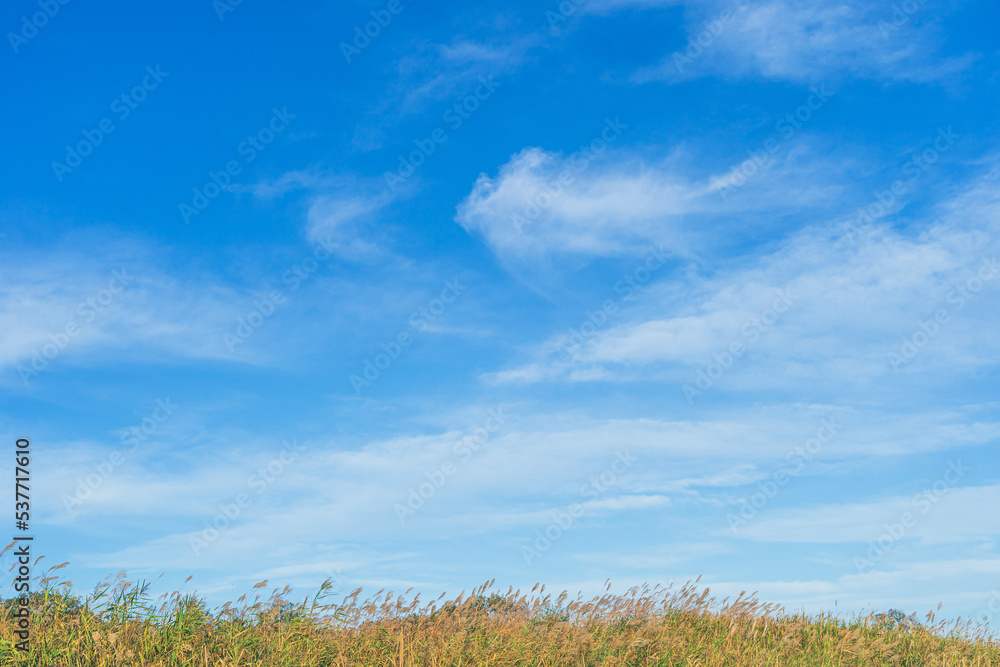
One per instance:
(120,624)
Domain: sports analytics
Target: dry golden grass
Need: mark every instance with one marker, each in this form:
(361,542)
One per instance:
(119,625)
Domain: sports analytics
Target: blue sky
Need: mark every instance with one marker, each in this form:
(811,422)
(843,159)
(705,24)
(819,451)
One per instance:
(637,290)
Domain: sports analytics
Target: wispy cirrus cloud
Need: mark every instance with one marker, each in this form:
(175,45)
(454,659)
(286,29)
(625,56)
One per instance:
(102,298)
(853,302)
(615,203)
(436,73)
(809,42)
(341,210)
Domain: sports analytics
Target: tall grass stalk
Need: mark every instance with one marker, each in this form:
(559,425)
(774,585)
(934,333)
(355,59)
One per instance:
(120,624)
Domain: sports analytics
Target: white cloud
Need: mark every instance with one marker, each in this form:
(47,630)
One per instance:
(851,306)
(599,213)
(917,587)
(441,75)
(289,182)
(536,461)
(340,219)
(807,41)
(331,504)
(65,306)
(341,209)
(938,515)
(438,72)
(612,203)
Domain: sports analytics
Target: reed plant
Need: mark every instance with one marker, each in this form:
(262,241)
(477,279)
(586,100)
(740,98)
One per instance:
(121,624)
